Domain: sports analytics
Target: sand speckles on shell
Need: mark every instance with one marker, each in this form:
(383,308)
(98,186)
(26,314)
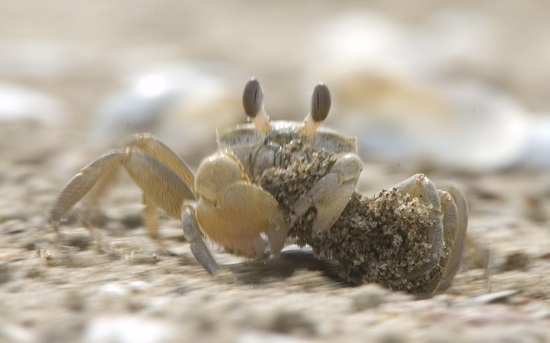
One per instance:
(382,238)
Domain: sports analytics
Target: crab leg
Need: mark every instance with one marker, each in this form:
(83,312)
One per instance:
(81,184)
(151,146)
(162,185)
(150,217)
(193,234)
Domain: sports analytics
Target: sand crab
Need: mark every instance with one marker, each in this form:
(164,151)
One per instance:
(273,179)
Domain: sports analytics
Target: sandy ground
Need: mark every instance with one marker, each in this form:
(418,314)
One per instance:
(122,286)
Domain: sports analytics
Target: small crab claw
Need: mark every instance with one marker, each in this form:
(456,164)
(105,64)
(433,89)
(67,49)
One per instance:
(331,193)
(253,103)
(320,107)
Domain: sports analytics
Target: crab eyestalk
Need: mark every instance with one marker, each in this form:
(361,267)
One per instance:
(253,103)
(320,106)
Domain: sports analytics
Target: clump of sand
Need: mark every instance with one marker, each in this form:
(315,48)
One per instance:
(382,238)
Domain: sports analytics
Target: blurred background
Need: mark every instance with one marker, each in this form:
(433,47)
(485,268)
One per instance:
(456,89)
(460,85)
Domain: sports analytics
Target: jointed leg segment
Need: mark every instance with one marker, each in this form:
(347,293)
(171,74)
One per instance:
(157,170)
(193,234)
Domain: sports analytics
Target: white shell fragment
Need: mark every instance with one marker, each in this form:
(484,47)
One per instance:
(182,103)
(18,103)
(128,329)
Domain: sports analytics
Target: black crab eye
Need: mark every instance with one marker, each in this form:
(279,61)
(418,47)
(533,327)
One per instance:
(320,103)
(253,97)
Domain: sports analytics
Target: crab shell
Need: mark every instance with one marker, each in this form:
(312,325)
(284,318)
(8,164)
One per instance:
(258,150)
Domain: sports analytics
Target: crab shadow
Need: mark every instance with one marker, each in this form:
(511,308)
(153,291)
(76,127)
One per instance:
(285,266)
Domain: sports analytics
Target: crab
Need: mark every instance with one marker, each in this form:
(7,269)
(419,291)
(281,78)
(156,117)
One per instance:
(273,180)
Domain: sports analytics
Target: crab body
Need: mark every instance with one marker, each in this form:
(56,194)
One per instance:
(258,150)
(271,180)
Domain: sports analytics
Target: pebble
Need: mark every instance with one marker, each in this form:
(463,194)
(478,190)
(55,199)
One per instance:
(18,103)
(139,286)
(254,337)
(516,261)
(114,289)
(16,334)
(74,300)
(371,296)
(489,298)
(289,321)
(538,145)
(180,103)
(128,329)
(4,272)
(40,59)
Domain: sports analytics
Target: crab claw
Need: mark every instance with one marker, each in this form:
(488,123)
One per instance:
(331,193)
(320,107)
(233,212)
(253,103)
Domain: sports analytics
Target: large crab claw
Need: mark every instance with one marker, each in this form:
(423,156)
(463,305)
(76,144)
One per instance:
(450,216)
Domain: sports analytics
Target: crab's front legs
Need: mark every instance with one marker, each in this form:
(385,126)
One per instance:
(331,193)
(450,220)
